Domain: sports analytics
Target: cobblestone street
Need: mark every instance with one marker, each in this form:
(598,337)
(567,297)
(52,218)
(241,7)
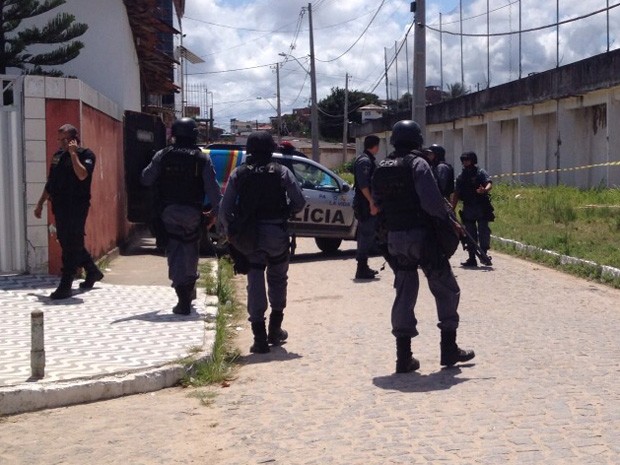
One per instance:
(542,388)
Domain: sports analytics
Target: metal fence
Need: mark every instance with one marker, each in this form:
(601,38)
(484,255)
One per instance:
(12,186)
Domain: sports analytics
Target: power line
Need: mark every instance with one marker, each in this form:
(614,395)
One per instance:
(359,38)
(498,34)
(231,70)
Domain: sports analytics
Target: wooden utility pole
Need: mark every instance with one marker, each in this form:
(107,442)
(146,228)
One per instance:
(345,123)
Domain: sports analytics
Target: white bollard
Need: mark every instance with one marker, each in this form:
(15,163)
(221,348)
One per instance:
(37,349)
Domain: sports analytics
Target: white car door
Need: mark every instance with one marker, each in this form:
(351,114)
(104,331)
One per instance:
(329,211)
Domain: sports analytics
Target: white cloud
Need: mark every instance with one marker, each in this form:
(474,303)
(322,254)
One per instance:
(237,34)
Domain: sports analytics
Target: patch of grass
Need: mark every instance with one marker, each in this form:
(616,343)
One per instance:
(206,398)
(582,223)
(219,367)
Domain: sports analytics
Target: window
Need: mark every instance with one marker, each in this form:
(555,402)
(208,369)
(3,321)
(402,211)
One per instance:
(312,177)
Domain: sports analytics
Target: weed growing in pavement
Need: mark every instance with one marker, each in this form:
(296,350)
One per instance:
(219,367)
(206,398)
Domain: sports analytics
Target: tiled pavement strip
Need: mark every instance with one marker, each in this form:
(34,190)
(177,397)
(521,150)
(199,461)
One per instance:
(108,341)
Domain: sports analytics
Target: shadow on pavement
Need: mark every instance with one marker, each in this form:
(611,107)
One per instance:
(46,300)
(277,354)
(157,317)
(416,382)
(320,256)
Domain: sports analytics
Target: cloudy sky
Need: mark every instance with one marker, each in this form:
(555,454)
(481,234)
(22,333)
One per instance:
(240,42)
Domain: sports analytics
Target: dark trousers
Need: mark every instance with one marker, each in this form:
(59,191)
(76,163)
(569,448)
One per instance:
(406,248)
(366,232)
(481,233)
(70,225)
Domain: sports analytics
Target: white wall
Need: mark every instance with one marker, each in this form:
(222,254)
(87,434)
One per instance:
(522,143)
(108,62)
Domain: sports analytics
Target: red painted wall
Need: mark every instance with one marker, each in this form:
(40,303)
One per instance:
(106,225)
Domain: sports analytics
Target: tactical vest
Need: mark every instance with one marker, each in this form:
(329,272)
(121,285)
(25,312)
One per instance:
(393,185)
(180,179)
(446,186)
(260,187)
(471,180)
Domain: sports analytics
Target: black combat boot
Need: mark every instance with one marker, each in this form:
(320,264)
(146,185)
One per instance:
(63,291)
(276,335)
(93,274)
(470,262)
(260,345)
(364,271)
(184,305)
(450,352)
(405,362)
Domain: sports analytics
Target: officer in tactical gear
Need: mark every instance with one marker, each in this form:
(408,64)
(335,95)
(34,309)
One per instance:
(473,186)
(407,194)
(272,193)
(184,177)
(364,206)
(443,171)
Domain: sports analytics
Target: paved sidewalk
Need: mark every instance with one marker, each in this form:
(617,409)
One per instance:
(118,338)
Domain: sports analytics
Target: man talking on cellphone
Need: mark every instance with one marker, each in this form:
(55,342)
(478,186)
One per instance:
(68,189)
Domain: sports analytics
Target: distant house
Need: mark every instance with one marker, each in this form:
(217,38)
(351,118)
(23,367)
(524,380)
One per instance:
(370,112)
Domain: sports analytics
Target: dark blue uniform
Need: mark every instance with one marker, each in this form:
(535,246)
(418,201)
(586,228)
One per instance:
(273,184)
(184,176)
(477,209)
(70,203)
(365,165)
(407,203)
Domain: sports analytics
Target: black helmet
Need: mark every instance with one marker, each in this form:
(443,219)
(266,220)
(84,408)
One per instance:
(470,156)
(407,134)
(439,151)
(185,128)
(260,143)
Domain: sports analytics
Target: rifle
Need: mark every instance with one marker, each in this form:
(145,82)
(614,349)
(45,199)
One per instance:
(467,240)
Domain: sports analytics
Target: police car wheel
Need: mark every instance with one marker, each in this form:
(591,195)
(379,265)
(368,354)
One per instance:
(328,244)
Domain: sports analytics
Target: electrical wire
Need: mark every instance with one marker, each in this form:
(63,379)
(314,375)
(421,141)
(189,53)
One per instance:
(358,39)
(539,28)
(231,70)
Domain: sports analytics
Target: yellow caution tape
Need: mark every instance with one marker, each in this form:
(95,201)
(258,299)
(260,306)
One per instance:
(558,170)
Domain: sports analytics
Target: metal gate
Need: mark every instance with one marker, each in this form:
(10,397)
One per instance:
(144,135)
(12,181)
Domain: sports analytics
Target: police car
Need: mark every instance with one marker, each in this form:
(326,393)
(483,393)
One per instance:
(328,215)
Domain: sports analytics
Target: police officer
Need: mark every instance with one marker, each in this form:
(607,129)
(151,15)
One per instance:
(183,176)
(473,186)
(274,193)
(407,194)
(68,188)
(443,171)
(364,206)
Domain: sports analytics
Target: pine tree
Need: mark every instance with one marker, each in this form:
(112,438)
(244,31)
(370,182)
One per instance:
(59,31)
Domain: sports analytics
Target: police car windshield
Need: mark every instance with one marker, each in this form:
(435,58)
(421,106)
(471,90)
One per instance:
(312,177)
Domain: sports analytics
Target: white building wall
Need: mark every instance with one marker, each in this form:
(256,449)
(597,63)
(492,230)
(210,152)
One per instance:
(108,62)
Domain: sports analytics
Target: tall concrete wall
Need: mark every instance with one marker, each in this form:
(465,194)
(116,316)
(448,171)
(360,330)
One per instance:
(571,141)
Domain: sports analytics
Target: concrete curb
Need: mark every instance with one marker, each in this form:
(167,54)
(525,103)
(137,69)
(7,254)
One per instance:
(28,398)
(604,270)
(22,398)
